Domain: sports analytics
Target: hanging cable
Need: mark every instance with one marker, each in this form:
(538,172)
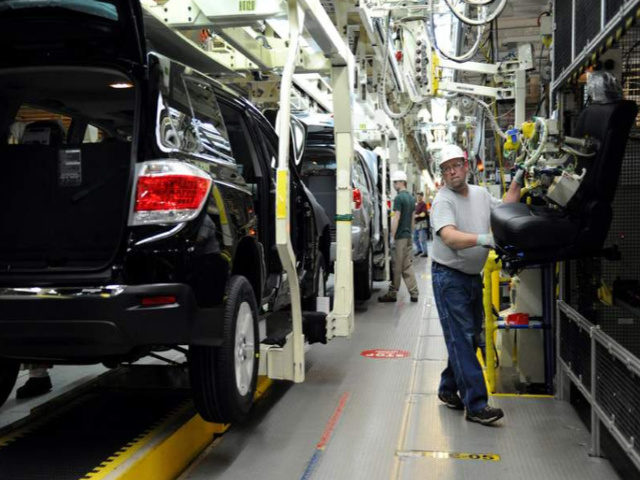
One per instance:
(479,3)
(431,32)
(383,93)
(489,114)
(477,23)
(537,153)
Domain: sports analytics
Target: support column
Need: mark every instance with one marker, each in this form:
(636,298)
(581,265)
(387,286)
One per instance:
(340,321)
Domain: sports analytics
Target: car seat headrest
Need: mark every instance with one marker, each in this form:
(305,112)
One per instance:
(44,132)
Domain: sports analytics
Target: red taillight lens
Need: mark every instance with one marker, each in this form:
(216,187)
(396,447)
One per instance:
(170,192)
(161,300)
(357,197)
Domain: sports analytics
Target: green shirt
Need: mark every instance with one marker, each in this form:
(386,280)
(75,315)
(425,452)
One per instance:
(404,205)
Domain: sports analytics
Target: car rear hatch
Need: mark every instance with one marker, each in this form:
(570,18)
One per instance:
(57,31)
(68,103)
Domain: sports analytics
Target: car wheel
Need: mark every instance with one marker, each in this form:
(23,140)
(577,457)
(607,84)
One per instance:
(8,374)
(223,378)
(363,277)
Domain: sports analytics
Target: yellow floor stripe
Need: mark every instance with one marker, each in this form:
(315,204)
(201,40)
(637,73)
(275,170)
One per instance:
(171,456)
(121,456)
(521,395)
(492,457)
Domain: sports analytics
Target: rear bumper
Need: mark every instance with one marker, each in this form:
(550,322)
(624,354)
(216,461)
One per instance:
(92,324)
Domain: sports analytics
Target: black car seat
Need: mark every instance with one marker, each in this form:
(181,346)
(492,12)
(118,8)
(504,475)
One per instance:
(43,132)
(527,235)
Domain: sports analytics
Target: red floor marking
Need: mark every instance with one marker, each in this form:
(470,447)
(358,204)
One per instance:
(326,435)
(384,354)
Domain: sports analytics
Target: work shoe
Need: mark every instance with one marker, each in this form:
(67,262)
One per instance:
(414,299)
(35,386)
(485,416)
(417,254)
(387,298)
(451,400)
(426,255)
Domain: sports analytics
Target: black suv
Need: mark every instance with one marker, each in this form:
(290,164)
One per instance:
(318,172)
(138,202)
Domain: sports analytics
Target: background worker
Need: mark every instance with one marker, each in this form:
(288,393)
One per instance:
(460,217)
(401,230)
(421,221)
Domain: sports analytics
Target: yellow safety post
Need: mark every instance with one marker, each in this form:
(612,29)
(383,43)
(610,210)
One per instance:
(491,298)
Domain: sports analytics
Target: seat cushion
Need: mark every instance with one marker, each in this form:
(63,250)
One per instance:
(531,228)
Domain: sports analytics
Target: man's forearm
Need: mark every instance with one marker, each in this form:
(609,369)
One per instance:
(456,239)
(395,220)
(460,240)
(513,195)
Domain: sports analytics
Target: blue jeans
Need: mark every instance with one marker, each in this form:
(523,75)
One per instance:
(416,241)
(459,301)
(420,240)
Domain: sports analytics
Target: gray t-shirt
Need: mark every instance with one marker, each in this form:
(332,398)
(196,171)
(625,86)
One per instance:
(469,214)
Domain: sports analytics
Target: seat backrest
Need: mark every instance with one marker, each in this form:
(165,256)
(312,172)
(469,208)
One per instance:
(609,124)
(43,132)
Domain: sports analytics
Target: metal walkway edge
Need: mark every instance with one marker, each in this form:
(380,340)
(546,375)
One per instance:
(136,424)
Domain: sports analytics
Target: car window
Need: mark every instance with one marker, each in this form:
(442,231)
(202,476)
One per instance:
(188,117)
(93,134)
(207,118)
(318,161)
(36,125)
(243,143)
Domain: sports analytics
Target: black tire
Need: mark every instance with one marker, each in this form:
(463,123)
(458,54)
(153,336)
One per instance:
(319,285)
(219,394)
(363,277)
(8,374)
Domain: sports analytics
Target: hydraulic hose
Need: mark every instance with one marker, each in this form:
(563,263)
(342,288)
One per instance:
(477,23)
(489,114)
(479,3)
(431,30)
(541,143)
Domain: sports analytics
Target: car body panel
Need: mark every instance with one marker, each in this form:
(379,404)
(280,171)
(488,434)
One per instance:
(178,115)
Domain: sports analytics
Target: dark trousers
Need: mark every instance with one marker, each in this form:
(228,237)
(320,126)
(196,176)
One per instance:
(459,301)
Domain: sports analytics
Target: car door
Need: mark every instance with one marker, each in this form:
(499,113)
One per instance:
(362,216)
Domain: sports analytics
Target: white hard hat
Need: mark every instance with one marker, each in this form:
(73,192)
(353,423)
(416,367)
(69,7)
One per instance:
(399,176)
(449,152)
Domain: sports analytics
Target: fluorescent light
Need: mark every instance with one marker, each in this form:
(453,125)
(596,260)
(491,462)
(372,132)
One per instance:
(121,85)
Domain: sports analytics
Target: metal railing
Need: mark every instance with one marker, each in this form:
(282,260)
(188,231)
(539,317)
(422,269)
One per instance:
(616,412)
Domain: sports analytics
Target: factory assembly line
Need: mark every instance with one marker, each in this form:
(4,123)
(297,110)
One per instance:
(213,263)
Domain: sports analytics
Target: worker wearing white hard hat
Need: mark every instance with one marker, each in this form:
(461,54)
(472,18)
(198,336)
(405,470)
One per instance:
(402,225)
(461,238)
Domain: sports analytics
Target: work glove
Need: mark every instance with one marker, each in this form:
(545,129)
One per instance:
(485,240)
(519,176)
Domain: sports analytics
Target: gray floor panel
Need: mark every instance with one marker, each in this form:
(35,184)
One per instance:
(433,329)
(393,407)
(428,376)
(432,348)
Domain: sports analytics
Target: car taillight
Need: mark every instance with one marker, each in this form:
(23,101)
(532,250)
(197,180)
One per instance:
(169,191)
(157,301)
(357,197)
